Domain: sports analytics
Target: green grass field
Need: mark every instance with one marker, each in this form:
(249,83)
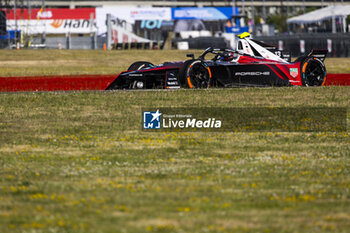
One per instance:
(79,162)
(70,62)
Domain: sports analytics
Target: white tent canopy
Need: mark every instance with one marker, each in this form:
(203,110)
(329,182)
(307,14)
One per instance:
(321,14)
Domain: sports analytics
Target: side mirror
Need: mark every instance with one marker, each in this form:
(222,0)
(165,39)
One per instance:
(191,55)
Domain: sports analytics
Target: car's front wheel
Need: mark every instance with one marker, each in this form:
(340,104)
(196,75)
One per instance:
(196,74)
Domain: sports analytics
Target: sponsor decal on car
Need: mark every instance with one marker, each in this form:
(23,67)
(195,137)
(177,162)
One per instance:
(293,72)
(266,73)
(135,75)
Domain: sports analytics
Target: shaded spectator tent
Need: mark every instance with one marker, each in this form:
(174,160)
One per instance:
(332,17)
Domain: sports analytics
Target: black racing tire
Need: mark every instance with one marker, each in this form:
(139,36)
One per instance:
(195,74)
(313,72)
(139,65)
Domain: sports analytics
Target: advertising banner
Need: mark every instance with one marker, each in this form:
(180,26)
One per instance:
(122,32)
(163,18)
(130,14)
(203,13)
(237,30)
(62,21)
(52,21)
(51,13)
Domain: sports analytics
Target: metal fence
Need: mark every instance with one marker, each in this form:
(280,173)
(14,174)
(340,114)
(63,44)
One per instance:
(337,44)
(11,37)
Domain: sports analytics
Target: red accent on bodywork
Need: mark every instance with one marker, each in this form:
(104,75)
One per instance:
(279,68)
(285,69)
(248,59)
(276,72)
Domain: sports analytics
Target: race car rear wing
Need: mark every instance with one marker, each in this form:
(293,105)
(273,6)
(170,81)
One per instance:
(319,53)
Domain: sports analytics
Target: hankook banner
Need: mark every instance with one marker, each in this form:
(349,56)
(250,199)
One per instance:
(52,21)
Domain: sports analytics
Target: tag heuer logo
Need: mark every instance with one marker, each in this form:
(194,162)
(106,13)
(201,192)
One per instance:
(151,120)
(293,72)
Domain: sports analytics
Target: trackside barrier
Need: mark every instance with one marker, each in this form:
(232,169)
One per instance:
(203,42)
(138,45)
(338,44)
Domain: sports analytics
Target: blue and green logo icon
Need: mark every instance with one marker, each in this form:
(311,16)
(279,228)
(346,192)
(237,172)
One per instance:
(152,120)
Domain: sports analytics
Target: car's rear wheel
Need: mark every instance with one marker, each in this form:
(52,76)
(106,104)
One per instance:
(196,74)
(139,65)
(313,72)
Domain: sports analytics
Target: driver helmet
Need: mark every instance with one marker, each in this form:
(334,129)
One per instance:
(228,56)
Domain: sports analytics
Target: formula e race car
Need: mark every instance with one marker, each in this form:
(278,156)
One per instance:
(253,63)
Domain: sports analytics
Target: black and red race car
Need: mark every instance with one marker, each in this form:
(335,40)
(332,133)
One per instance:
(253,63)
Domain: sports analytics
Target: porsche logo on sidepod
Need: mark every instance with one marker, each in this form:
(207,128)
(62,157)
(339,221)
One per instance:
(257,73)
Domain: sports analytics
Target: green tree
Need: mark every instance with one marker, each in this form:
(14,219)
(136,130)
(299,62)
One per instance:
(279,21)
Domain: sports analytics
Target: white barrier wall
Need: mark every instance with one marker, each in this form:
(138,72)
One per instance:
(121,33)
(129,14)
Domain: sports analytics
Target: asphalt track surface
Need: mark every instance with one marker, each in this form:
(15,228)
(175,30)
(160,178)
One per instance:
(96,82)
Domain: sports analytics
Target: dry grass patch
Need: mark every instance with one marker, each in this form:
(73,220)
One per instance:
(74,62)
